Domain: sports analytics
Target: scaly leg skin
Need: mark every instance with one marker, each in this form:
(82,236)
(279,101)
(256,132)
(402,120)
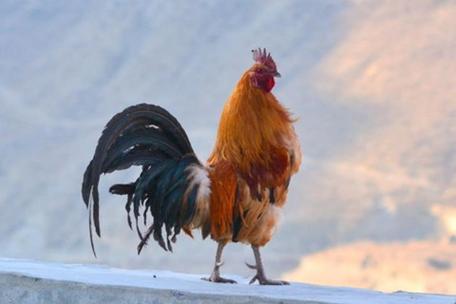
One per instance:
(215,276)
(260,276)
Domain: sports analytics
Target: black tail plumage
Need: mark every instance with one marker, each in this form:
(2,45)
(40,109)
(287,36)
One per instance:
(167,188)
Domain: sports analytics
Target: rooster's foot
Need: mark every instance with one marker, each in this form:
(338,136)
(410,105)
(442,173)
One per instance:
(216,278)
(265,281)
(261,278)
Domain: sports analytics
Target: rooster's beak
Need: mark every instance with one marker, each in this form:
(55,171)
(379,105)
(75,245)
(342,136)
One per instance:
(277,74)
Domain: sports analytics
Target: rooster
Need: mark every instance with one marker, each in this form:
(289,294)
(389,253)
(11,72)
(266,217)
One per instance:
(235,197)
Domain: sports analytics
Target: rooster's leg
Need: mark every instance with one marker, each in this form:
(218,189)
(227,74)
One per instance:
(260,276)
(215,276)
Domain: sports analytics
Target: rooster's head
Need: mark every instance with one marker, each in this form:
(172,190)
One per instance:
(264,70)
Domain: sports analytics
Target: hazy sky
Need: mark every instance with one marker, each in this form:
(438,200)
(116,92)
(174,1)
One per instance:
(372,83)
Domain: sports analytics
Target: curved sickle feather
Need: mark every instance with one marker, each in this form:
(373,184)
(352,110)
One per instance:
(147,119)
(142,115)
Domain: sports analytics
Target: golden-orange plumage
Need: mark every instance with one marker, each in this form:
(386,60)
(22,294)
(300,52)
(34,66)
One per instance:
(252,120)
(222,199)
(256,138)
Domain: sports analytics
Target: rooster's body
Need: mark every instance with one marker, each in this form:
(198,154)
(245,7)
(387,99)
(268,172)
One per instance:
(235,197)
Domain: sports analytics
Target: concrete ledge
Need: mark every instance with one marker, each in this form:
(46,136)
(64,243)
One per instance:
(28,290)
(44,283)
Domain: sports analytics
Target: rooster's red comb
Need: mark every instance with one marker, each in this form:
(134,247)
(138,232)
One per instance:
(261,56)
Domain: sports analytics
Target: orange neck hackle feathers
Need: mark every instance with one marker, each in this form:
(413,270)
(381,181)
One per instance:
(251,132)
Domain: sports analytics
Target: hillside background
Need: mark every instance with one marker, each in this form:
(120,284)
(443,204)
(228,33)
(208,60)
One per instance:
(373,84)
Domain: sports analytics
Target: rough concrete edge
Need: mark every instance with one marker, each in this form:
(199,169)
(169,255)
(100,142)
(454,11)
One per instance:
(19,288)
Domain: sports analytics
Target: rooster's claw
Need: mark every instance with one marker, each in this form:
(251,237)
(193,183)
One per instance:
(265,281)
(219,279)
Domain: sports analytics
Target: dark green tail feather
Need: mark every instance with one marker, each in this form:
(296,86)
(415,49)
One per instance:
(148,136)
